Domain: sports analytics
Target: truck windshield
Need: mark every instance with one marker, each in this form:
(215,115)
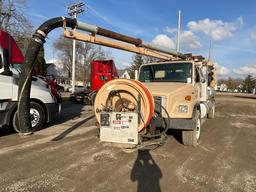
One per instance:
(166,72)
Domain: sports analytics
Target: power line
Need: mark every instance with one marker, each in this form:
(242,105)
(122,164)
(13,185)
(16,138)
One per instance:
(75,9)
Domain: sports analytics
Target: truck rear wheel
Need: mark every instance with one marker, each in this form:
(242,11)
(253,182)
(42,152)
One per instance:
(191,138)
(37,116)
(211,113)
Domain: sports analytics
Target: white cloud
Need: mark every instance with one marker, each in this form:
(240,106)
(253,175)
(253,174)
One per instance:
(163,40)
(189,41)
(246,70)
(170,30)
(221,70)
(253,35)
(216,29)
(240,21)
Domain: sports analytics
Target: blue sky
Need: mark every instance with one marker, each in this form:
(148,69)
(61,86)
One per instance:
(230,24)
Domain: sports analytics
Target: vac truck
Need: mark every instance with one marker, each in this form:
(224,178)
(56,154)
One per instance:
(167,95)
(175,93)
(43,106)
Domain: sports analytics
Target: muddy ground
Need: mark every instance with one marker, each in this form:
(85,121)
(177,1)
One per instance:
(67,156)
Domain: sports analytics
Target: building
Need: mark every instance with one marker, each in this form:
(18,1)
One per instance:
(123,73)
(223,87)
(56,65)
(51,69)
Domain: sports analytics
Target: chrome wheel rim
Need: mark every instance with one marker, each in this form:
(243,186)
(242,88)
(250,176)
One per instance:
(35,117)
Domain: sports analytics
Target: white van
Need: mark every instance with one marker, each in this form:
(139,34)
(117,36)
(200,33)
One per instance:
(44,106)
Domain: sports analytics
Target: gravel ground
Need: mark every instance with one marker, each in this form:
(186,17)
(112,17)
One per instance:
(67,156)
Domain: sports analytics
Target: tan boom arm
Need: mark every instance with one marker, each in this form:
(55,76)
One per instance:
(120,41)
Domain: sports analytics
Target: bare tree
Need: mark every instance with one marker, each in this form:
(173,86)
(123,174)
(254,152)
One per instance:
(85,53)
(231,83)
(14,21)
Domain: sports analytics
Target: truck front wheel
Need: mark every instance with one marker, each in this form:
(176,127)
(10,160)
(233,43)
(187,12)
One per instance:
(37,116)
(192,137)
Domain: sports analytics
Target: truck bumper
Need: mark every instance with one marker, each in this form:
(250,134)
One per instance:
(53,109)
(181,124)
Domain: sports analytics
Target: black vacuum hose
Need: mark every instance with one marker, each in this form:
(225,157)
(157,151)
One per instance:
(35,44)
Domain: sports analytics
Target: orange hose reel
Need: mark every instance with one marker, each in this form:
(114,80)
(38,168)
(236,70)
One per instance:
(131,96)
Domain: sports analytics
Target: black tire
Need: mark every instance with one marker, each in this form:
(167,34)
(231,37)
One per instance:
(92,97)
(60,89)
(192,137)
(211,113)
(38,117)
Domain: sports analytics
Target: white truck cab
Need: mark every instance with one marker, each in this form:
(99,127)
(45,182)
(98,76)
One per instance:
(44,106)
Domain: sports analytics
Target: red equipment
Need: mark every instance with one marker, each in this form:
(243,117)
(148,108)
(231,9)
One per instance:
(7,42)
(102,71)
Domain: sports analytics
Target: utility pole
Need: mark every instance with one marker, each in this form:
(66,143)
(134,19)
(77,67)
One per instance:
(210,49)
(73,10)
(178,33)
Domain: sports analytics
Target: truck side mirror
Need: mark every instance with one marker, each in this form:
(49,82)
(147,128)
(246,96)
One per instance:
(200,76)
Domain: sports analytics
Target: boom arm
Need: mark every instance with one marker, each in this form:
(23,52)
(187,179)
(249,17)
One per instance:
(120,41)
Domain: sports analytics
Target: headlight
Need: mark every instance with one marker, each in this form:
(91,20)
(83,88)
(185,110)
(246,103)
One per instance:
(183,109)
